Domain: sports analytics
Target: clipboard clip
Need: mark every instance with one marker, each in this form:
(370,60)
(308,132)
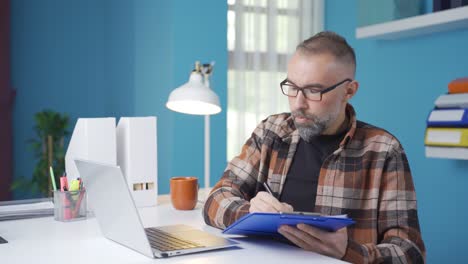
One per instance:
(300,213)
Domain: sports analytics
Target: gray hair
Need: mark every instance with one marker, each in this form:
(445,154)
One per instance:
(331,43)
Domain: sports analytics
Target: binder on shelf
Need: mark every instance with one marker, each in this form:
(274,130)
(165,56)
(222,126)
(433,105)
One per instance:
(454,137)
(459,85)
(447,152)
(448,118)
(452,101)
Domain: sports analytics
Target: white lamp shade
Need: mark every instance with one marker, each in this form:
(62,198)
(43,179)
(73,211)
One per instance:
(194,98)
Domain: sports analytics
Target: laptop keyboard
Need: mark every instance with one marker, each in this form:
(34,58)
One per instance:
(164,241)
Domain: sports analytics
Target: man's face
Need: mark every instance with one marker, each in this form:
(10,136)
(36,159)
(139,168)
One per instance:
(313,118)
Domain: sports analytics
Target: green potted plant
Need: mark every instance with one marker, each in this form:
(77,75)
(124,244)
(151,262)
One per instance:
(48,148)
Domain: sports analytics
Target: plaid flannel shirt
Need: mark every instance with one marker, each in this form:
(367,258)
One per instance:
(367,177)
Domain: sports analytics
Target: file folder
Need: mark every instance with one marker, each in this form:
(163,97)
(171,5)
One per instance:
(268,223)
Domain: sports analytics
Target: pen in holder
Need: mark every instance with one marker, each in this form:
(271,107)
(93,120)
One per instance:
(69,205)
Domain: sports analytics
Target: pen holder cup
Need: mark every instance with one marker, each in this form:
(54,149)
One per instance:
(70,205)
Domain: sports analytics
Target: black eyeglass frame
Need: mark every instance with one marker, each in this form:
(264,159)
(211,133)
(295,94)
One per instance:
(297,89)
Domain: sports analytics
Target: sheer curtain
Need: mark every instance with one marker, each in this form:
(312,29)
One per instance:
(262,35)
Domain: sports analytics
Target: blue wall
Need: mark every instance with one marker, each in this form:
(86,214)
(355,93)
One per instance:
(399,81)
(193,34)
(57,63)
(95,58)
(170,36)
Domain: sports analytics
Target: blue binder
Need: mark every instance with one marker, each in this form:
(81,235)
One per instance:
(451,117)
(268,223)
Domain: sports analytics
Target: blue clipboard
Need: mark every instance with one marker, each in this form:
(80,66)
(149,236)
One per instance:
(268,223)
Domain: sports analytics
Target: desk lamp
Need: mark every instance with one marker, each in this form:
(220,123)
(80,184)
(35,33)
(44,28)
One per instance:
(196,98)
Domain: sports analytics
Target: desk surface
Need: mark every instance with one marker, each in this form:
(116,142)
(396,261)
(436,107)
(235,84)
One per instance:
(44,240)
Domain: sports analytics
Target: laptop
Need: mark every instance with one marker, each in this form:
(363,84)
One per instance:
(120,222)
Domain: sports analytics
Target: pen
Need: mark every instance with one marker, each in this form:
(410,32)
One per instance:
(52,178)
(268,189)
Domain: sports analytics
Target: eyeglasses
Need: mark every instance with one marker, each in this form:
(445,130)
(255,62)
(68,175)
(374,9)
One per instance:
(312,92)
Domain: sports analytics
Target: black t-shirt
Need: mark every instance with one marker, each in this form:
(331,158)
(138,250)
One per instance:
(300,187)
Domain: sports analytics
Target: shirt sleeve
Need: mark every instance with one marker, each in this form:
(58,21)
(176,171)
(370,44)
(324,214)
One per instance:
(399,234)
(229,198)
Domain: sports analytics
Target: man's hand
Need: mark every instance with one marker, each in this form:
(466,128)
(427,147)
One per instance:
(332,244)
(264,202)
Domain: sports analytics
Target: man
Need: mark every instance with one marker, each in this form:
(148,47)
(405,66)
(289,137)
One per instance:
(320,158)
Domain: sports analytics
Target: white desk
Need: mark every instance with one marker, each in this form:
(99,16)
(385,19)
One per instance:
(44,240)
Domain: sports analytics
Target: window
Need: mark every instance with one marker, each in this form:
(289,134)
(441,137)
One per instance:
(262,35)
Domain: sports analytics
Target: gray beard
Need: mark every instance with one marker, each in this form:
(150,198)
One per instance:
(314,128)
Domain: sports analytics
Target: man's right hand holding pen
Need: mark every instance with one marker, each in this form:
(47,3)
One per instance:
(266,202)
(310,238)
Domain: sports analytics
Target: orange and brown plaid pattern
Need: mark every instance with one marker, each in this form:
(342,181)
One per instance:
(367,177)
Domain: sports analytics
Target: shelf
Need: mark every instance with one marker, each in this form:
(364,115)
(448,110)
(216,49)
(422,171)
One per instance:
(446,20)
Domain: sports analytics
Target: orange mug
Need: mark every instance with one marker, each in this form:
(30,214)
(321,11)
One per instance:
(184,192)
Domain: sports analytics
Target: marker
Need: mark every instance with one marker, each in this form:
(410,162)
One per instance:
(66,203)
(63,183)
(75,185)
